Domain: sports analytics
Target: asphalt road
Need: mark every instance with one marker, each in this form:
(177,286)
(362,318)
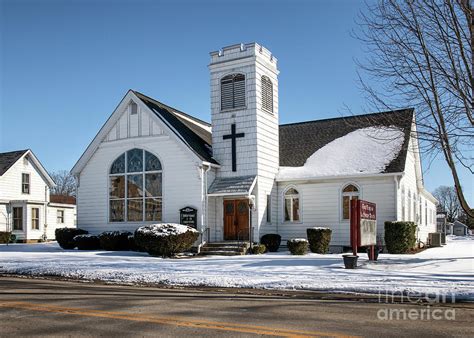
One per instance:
(34,307)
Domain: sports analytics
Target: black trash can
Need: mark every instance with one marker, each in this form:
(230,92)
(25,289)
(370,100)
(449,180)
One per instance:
(350,261)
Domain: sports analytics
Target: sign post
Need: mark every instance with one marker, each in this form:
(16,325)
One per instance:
(363,226)
(188,216)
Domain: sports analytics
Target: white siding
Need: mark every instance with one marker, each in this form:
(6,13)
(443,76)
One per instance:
(412,183)
(320,205)
(69,219)
(10,183)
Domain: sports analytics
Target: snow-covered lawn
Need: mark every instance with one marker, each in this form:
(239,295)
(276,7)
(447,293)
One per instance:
(445,270)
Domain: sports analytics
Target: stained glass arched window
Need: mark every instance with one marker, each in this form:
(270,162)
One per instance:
(135,187)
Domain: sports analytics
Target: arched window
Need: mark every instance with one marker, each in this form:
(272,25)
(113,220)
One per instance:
(135,188)
(267,94)
(233,91)
(349,192)
(292,205)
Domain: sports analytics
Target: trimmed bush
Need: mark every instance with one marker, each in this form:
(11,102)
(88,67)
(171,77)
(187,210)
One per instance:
(319,239)
(297,246)
(65,237)
(271,241)
(258,249)
(5,237)
(166,239)
(131,243)
(87,242)
(400,237)
(115,240)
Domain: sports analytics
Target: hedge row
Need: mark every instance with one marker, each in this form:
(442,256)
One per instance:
(163,240)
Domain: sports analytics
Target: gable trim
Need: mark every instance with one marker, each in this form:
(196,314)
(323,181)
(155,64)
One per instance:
(38,167)
(113,119)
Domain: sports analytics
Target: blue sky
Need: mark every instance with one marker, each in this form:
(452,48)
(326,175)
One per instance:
(65,65)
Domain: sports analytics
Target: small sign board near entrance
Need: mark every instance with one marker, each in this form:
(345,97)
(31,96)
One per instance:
(188,216)
(368,224)
(363,224)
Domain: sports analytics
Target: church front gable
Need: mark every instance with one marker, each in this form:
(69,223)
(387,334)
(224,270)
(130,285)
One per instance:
(134,121)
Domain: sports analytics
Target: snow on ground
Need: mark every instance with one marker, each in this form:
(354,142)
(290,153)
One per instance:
(363,151)
(445,270)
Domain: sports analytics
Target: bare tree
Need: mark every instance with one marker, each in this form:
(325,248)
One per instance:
(65,183)
(448,202)
(420,55)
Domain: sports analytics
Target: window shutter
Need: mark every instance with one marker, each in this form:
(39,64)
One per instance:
(239,91)
(227,88)
(267,94)
(233,91)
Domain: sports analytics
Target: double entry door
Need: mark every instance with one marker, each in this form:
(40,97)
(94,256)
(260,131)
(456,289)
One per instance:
(236,219)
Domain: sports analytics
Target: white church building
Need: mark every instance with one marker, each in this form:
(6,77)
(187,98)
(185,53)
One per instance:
(244,173)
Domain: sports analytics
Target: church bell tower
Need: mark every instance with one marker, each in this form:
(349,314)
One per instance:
(244,109)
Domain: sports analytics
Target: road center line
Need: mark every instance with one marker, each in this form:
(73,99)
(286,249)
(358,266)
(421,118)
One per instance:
(175,321)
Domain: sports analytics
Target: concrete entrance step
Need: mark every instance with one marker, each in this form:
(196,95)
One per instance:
(225,248)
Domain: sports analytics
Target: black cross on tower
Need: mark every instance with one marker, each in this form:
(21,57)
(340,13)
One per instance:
(233,136)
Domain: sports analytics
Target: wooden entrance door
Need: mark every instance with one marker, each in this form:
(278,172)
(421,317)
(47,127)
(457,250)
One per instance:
(236,220)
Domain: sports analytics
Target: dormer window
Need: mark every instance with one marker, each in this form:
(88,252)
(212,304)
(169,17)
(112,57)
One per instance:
(267,94)
(233,91)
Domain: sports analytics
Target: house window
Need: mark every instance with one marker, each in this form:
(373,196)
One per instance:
(135,188)
(267,94)
(269,208)
(25,183)
(292,205)
(17,218)
(233,91)
(35,218)
(349,192)
(60,216)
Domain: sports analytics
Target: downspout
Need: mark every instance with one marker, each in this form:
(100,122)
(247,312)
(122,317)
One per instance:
(205,216)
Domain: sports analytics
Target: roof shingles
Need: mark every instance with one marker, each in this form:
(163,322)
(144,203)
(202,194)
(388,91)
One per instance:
(8,159)
(308,137)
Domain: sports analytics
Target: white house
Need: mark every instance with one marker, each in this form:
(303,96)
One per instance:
(245,174)
(25,206)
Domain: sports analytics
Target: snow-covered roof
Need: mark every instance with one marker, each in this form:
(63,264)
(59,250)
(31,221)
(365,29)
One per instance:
(362,151)
(238,185)
(299,141)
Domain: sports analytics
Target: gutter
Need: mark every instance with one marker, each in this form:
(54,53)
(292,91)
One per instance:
(333,177)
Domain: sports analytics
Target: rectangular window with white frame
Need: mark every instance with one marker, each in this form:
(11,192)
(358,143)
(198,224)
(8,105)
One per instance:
(60,217)
(35,218)
(17,218)
(25,183)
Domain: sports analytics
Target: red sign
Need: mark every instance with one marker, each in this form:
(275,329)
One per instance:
(363,224)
